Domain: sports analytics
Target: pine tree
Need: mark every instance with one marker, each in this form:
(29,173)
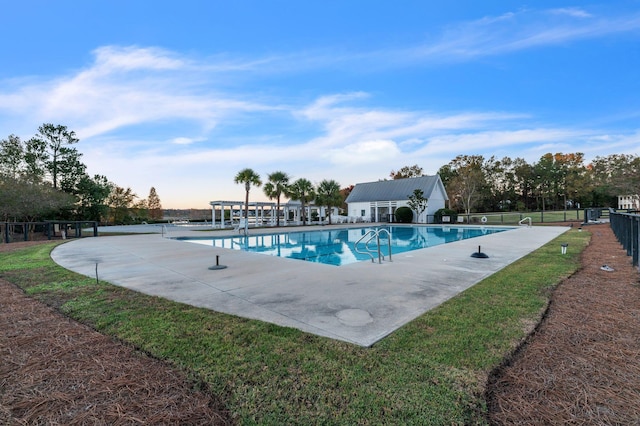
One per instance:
(154,205)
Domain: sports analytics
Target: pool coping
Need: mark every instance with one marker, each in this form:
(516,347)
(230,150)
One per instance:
(349,254)
(359,303)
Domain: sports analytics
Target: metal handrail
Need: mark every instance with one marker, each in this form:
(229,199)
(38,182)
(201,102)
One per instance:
(369,251)
(522,221)
(388,244)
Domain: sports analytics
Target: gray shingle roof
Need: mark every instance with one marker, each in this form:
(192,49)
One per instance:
(390,190)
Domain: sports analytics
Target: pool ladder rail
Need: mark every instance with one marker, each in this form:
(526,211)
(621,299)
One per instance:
(526,219)
(371,235)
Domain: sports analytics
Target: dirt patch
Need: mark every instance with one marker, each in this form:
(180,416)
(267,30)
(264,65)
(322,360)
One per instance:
(56,371)
(582,365)
(4,247)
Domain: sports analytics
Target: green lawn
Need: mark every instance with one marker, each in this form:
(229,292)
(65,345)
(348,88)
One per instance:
(431,371)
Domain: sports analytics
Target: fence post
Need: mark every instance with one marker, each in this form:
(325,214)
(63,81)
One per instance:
(636,240)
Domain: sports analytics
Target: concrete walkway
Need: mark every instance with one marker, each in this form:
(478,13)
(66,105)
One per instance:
(359,303)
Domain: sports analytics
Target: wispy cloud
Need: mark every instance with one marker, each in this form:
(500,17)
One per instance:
(109,59)
(126,86)
(383,134)
(571,11)
(461,42)
(520,30)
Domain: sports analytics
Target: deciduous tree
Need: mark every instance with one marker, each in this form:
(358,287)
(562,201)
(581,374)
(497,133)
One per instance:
(120,201)
(616,174)
(92,194)
(417,202)
(407,172)
(21,200)
(466,185)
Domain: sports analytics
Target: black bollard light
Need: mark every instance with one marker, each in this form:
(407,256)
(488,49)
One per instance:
(217,265)
(479,254)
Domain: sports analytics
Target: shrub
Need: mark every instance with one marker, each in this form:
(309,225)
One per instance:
(404,214)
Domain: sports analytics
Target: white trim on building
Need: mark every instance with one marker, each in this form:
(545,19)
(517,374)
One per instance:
(378,201)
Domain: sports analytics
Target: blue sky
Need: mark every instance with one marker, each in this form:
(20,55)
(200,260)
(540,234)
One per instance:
(183,95)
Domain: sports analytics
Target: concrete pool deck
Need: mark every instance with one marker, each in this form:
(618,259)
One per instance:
(359,303)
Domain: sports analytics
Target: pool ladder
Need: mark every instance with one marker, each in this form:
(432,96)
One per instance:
(525,220)
(371,234)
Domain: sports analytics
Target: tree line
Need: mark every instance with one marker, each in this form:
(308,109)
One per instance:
(477,184)
(554,182)
(43,178)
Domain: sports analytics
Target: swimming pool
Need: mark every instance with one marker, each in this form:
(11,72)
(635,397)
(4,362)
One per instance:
(337,246)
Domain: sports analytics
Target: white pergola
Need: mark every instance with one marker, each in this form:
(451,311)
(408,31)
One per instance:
(257,207)
(264,212)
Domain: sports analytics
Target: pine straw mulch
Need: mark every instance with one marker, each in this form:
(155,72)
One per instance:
(54,370)
(582,364)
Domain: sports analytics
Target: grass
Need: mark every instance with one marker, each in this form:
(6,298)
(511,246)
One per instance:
(431,371)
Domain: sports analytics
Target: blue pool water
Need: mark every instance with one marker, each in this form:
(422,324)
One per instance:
(337,246)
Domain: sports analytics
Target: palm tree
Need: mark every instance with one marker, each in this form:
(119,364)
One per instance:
(248,177)
(303,191)
(277,185)
(328,194)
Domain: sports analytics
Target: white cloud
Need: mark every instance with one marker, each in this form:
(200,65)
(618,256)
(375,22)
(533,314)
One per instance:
(109,59)
(126,87)
(185,141)
(500,142)
(517,31)
(365,152)
(571,11)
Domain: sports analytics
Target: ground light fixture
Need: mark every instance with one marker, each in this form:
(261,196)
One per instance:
(217,265)
(479,254)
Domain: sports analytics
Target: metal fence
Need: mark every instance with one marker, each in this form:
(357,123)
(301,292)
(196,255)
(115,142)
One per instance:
(625,227)
(511,218)
(33,231)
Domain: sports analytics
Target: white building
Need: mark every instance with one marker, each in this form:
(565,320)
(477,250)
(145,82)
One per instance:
(378,201)
(628,202)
